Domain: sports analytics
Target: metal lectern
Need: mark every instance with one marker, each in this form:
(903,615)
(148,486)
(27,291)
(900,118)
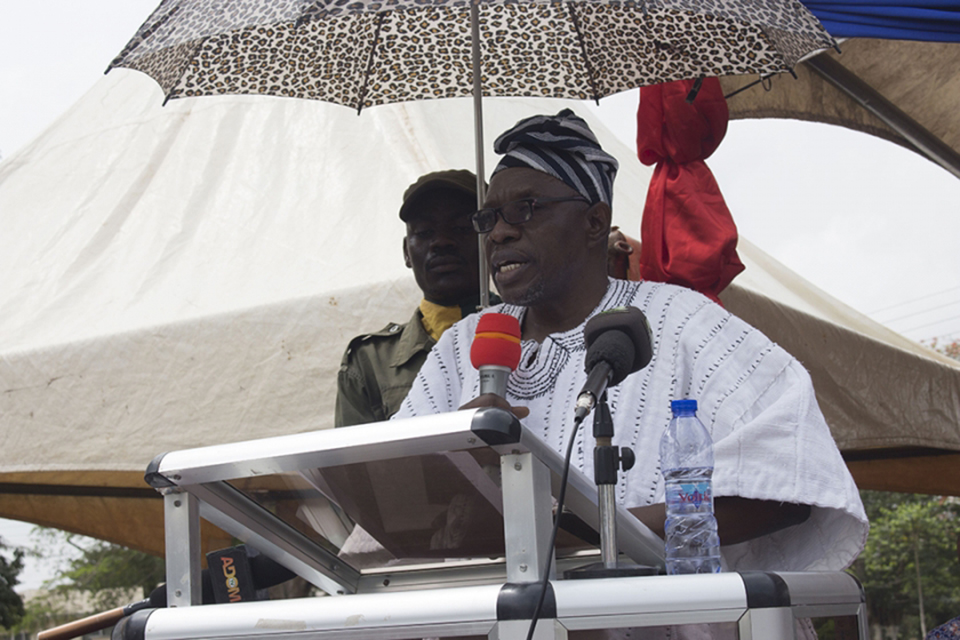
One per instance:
(462,505)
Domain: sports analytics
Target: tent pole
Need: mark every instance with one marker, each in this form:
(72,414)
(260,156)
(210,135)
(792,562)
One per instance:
(478,140)
(922,140)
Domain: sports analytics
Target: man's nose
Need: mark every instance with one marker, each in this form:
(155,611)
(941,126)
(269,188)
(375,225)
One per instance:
(503,231)
(442,238)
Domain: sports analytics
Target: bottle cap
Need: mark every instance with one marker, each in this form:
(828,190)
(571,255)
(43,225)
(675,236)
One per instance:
(683,406)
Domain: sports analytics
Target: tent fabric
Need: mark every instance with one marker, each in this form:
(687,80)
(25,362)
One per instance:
(114,506)
(190,274)
(921,78)
(827,337)
(933,20)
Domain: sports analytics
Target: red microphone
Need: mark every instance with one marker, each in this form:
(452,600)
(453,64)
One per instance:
(496,351)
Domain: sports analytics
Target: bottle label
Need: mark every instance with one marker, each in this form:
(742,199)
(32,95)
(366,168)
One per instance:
(694,494)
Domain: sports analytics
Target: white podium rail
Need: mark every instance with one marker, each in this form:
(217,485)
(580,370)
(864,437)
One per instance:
(762,604)
(493,597)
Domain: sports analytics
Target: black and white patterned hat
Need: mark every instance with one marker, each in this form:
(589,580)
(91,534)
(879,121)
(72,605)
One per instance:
(564,147)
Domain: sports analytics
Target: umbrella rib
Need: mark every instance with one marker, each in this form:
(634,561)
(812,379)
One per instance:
(142,34)
(763,78)
(695,89)
(373,53)
(583,48)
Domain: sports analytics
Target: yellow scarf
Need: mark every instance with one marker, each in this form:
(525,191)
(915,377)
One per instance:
(437,319)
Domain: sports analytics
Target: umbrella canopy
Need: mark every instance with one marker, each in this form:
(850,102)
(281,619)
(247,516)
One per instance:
(188,275)
(370,52)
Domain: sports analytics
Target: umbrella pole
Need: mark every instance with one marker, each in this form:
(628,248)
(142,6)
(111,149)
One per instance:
(478,139)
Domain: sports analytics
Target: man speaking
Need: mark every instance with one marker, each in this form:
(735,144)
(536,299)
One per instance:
(784,498)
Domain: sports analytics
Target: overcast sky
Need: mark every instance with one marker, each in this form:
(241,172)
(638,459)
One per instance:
(869,222)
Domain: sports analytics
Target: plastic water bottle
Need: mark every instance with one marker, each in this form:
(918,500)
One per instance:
(686,458)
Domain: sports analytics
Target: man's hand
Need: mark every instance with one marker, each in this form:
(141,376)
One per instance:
(493,400)
(738,519)
(619,251)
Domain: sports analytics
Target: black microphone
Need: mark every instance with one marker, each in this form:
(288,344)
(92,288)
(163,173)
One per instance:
(259,571)
(233,576)
(618,344)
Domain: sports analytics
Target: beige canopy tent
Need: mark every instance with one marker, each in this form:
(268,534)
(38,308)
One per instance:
(190,274)
(903,91)
(900,90)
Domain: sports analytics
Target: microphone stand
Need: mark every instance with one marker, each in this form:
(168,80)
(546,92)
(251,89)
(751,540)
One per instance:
(607,460)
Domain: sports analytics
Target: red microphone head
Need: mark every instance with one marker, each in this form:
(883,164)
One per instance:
(497,341)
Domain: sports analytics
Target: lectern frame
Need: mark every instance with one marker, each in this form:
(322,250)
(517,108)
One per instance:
(469,597)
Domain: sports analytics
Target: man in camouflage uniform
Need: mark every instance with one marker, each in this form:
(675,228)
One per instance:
(441,248)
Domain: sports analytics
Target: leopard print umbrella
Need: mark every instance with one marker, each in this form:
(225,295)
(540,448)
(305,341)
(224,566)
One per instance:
(362,53)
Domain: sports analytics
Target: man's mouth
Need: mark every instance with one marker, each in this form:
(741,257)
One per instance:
(445,263)
(507,267)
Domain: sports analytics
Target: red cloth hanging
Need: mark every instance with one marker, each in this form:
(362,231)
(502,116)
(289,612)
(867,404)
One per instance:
(687,235)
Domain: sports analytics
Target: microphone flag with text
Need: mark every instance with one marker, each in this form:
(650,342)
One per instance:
(495,351)
(237,574)
(618,344)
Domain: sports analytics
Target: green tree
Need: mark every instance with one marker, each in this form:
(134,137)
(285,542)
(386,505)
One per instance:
(110,573)
(909,568)
(43,611)
(11,605)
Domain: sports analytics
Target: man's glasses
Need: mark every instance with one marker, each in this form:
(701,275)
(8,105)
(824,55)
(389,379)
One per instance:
(516,212)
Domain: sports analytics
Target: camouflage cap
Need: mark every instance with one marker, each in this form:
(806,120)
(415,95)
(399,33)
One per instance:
(455,179)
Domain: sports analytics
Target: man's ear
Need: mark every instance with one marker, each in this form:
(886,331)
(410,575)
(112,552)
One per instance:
(406,254)
(598,218)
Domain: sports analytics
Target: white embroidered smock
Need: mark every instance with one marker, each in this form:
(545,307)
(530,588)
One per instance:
(770,439)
